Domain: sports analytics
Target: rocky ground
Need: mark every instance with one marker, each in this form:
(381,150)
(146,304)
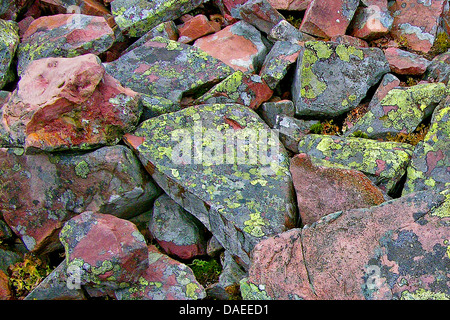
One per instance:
(224,149)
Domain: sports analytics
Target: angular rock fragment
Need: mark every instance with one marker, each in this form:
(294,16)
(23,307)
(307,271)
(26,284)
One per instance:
(167,69)
(292,130)
(260,14)
(64,35)
(371,22)
(290,5)
(164,279)
(87,7)
(270,110)
(207,159)
(406,63)
(383,162)
(332,78)
(9,41)
(324,190)
(240,46)
(68,103)
(400,111)
(197,27)
(40,192)
(284,31)
(439,69)
(397,250)
(108,251)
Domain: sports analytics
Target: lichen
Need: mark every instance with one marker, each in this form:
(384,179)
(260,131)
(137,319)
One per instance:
(82,169)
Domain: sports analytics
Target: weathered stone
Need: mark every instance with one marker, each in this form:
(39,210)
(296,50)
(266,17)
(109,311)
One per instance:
(439,69)
(330,18)
(270,110)
(167,69)
(383,162)
(371,22)
(400,111)
(332,78)
(350,41)
(197,27)
(40,192)
(284,31)
(397,250)
(9,41)
(64,35)
(239,192)
(5,289)
(87,7)
(230,7)
(406,63)
(137,17)
(240,46)
(109,251)
(8,258)
(260,14)
(290,5)
(177,231)
(68,103)
(277,63)
(430,164)
(407,29)
(247,89)
(164,279)
(292,130)
(324,190)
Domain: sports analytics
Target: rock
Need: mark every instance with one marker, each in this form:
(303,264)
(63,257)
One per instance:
(8,10)
(164,279)
(323,190)
(284,31)
(371,22)
(416,34)
(137,17)
(64,35)
(109,251)
(260,14)
(167,69)
(429,168)
(231,7)
(5,289)
(439,69)
(383,162)
(177,231)
(406,63)
(240,46)
(5,231)
(197,27)
(247,89)
(167,30)
(350,41)
(400,111)
(9,41)
(278,62)
(292,130)
(270,110)
(42,191)
(68,103)
(58,286)
(290,5)
(397,250)
(332,78)
(326,19)
(8,258)
(239,193)
(213,248)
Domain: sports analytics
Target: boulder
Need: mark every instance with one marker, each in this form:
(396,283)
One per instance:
(9,41)
(406,63)
(439,69)
(206,159)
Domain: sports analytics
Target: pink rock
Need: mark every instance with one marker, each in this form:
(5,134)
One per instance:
(239,46)
(197,27)
(64,103)
(323,190)
(371,22)
(290,5)
(416,22)
(328,18)
(406,63)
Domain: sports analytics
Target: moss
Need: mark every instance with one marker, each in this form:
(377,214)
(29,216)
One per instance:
(206,271)
(251,291)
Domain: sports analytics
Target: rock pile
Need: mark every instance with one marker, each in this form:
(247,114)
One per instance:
(303,144)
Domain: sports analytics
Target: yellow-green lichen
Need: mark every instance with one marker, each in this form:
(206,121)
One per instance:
(423,294)
(82,169)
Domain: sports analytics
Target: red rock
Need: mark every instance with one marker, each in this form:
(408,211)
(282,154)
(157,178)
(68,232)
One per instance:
(64,103)
(230,7)
(416,22)
(239,46)
(323,190)
(406,63)
(328,18)
(5,290)
(371,22)
(290,5)
(197,27)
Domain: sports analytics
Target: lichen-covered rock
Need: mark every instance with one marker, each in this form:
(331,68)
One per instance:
(207,159)
(42,191)
(167,69)
(136,17)
(371,22)
(383,162)
(324,190)
(406,63)
(247,89)
(430,164)
(269,111)
(177,231)
(240,46)
(87,7)
(9,41)
(260,14)
(68,103)
(439,69)
(400,111)
(326,19)
(164,279)
(332,78)
(292,130)
(64,35)
(110,252)
(397,250)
